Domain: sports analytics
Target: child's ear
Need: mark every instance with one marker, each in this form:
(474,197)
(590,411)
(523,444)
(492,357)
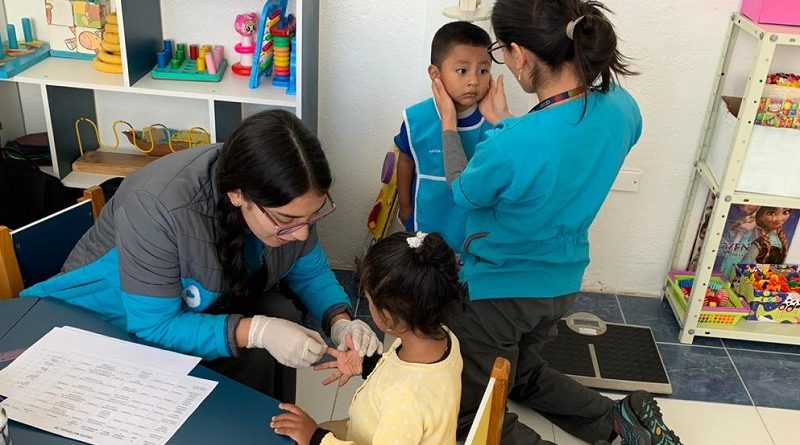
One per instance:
(393,325)
(433,72)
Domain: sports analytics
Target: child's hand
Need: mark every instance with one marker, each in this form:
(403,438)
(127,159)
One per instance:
(347,364)
(494,105)
(444,103)
(295,423)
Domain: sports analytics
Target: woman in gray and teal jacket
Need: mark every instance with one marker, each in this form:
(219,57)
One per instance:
(189,252)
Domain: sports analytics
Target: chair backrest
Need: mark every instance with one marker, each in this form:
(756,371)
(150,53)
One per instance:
(488,424)
(36,252)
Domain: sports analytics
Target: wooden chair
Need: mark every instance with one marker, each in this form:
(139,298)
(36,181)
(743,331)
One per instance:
(37,251)
(488,424)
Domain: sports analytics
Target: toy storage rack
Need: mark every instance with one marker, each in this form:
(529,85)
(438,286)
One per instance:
(68,85)
(725,187)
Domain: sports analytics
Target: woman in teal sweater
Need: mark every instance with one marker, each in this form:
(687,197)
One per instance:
(534,186)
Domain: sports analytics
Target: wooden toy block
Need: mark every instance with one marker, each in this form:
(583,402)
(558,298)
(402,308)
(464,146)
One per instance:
(62,38)
(90,14)
(89,40)
(59,12)
(105,163)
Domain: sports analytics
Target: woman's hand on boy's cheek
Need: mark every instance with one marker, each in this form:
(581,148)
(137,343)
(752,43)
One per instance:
(494,105)
(445,105)
(295,423)
(347,364)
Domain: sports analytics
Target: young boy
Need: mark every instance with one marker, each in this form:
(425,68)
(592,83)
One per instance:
(460,59)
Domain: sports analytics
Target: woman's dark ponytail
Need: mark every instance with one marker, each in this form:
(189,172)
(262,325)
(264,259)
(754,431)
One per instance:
(597,58)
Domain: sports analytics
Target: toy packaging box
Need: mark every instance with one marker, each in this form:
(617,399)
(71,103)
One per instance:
(772,290)
(780,102)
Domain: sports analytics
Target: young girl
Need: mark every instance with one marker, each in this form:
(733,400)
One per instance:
(412,394)
(771,246)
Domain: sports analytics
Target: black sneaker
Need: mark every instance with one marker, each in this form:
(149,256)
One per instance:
(639,422)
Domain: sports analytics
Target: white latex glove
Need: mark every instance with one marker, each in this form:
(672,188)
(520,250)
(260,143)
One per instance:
(364,339)
(291,344)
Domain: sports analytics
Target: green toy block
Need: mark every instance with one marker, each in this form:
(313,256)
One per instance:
(188,71)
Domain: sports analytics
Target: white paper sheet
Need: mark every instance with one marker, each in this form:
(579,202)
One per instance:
(95,395)
(169,361)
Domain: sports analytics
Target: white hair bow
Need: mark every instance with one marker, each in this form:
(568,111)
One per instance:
(415,241)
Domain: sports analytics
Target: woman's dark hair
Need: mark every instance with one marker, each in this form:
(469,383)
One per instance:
(419,286)
(273,159)
(540,26)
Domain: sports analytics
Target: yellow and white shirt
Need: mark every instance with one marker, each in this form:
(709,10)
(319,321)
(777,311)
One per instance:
(404,403)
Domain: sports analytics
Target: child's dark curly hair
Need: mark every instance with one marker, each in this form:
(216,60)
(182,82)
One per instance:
(419,286)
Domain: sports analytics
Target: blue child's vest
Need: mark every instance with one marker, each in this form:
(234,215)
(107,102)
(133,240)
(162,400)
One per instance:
(434,209)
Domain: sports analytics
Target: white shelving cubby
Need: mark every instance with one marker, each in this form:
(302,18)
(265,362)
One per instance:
(71,88)
(724,184)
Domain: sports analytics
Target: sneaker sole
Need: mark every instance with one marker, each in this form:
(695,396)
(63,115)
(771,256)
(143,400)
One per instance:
(645,407)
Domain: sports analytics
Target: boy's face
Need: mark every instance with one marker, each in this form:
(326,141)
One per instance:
(465,73)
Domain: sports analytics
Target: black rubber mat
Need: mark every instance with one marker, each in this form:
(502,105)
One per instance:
(627,357)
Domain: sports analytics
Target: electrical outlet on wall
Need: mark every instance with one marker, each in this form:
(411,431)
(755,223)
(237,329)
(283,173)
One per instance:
(627,181)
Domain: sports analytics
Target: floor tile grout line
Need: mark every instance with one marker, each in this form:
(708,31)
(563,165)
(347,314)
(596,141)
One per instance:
(765,352)
(747,390)
(619,305)
(766,427)
(735,368)
(681,344)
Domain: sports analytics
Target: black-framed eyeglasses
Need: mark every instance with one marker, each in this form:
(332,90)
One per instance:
(321,213)
(496,56)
